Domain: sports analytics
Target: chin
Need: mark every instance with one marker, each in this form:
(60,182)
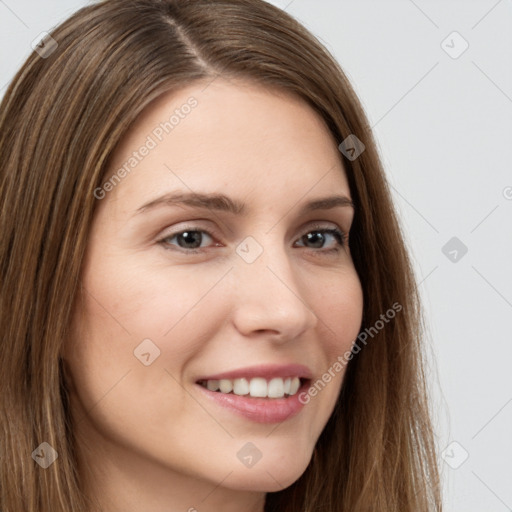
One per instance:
(271,476)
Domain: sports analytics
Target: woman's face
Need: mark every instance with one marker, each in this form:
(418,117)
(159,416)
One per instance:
(183,292)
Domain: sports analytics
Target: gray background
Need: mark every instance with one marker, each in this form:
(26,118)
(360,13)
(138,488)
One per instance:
(443,124)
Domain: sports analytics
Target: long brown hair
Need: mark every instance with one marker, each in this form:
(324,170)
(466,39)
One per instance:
(60,121)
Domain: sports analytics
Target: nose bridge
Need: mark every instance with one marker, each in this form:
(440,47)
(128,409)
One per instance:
(268,296)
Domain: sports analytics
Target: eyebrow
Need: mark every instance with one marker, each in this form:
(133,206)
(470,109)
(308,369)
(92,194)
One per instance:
(221,202)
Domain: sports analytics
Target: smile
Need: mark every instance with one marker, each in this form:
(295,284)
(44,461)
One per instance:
(257,387)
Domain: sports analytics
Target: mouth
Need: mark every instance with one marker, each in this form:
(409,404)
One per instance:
(257,399)
(256,387)
(265,393)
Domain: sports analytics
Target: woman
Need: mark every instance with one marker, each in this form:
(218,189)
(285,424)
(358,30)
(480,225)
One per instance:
(206,299)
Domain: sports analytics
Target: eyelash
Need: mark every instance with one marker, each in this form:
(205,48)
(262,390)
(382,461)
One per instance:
(340,236)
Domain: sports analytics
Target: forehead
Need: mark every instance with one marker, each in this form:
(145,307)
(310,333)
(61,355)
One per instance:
(238,137)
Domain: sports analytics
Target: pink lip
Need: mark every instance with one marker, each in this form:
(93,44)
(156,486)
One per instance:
(267,371)
(259,410)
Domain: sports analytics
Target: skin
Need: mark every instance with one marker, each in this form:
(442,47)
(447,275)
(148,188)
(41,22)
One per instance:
(148,438)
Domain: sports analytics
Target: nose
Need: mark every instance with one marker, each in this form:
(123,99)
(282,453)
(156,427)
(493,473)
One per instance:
(270,300)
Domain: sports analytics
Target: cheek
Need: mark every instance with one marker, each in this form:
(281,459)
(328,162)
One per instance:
(340,310)
(142,302)
(129,311)
(122,309)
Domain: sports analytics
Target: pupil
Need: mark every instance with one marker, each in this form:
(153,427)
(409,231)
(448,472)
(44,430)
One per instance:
(317,238)
(191,237)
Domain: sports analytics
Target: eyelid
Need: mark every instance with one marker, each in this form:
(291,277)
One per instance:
(191,226)
(318,224)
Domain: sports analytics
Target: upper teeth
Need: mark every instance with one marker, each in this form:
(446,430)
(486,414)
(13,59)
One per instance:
(256,387)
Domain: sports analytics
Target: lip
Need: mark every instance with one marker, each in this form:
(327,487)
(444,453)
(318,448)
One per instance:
(267,371)
(258,410)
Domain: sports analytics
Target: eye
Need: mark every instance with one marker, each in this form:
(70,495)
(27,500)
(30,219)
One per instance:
(189,239)
(319,236)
